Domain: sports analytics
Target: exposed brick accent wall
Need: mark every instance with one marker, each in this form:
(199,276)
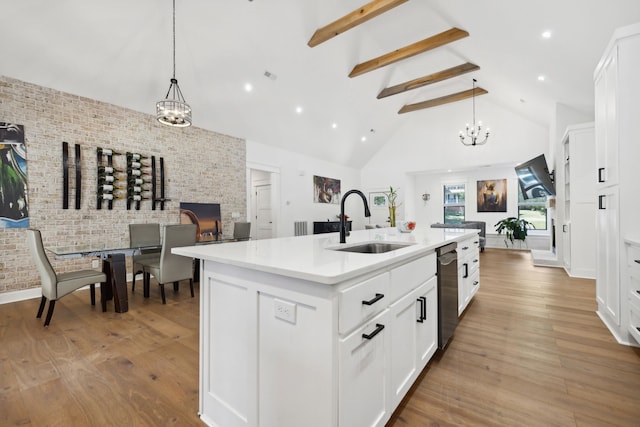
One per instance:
(200,166)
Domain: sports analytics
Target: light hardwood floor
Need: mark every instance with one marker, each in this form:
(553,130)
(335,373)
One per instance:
(529,351)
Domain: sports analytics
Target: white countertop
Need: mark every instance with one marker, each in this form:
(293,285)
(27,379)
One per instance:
(310,257)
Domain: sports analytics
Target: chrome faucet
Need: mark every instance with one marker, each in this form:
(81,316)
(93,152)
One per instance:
(343,223)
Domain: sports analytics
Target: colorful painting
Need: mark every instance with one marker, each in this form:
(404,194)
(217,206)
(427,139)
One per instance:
(492,195)
(326,190)
(14,205)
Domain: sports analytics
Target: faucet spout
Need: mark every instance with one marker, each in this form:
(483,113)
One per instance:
(343,223)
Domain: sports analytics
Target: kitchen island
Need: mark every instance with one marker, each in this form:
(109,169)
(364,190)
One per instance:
(296,333)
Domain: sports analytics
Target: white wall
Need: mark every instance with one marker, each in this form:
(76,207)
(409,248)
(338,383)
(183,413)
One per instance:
(296,173)
(432,211)
(432,145)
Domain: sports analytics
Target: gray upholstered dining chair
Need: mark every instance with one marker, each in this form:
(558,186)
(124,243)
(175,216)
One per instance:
(169,267)
(144,235)
(55,286)
(242,230)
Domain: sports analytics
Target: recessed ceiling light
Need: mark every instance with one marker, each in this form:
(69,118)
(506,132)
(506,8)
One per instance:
(541,78)
(248,87)
(546,34)
(334,125)
(299,110)
(363,139)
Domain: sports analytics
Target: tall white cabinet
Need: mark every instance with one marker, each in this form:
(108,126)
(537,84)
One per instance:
(617,113)
(579,201)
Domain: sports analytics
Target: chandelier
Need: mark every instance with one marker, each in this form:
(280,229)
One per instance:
(474,132)
(173,110)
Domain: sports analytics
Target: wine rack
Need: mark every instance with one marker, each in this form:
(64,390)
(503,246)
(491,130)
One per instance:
(157,184)
(107,178)
(65,176)
(137,180)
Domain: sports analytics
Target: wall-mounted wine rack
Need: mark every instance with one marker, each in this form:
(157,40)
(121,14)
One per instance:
(138,180)
(108,178)
(65,175)
(142,180)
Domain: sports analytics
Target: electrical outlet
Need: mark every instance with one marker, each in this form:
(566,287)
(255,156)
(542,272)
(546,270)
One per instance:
(95,263)
(285,310)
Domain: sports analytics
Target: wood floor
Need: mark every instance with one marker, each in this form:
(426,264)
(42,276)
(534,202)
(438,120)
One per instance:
(529,351)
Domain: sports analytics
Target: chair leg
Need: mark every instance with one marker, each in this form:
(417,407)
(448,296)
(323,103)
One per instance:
(176,286)
(41,309)
(146,278)
(52,305)
(191,286)
(92,290)
(164,300)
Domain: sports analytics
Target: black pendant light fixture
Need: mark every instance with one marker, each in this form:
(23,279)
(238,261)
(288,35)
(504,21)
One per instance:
(473,132)
(173,110)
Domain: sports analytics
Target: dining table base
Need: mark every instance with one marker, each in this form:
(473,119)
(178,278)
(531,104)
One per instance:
(115,288)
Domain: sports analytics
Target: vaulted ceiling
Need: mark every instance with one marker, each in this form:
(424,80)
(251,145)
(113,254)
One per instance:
(120,52)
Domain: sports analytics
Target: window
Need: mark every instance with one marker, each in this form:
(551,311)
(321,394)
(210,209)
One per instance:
(453,203)
(533,210)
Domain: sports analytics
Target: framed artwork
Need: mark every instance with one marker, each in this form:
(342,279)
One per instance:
(492,195)
(378,200)
(326,190)
(14,204)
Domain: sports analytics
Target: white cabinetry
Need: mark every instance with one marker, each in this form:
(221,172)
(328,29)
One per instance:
(579,194)
(617,108)
(633,275)
(280,351)
(468,271)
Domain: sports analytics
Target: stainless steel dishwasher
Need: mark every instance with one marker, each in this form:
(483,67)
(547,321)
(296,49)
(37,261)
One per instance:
(447,293)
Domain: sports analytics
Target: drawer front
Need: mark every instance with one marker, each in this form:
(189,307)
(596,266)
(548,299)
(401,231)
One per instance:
(633,259)
(409,276)
(634,321)
(468,248)
(362,301)
(634,289)
(474,284)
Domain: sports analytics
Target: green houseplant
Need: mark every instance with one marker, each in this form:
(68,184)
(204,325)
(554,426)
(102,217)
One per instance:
(514,228)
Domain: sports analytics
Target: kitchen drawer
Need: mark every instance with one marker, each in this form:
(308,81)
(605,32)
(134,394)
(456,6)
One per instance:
(468,248)
(469,265)
(634,320)
(407,277)
(633,259)
(362,301)
(474,284)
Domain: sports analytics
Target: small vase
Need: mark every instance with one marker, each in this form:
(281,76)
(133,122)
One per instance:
(392,216)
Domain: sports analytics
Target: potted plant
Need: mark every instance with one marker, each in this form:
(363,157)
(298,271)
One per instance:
(514,228)
(391,197)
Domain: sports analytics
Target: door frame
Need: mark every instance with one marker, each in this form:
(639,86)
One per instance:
(274,173)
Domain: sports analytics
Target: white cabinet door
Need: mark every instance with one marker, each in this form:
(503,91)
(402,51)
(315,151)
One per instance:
(606,122)
(427,331)
(608,275)
(363,395)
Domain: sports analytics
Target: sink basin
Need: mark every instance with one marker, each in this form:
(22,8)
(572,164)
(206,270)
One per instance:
(373,247)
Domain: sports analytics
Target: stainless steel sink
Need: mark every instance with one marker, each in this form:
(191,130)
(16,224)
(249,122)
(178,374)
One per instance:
(373,247)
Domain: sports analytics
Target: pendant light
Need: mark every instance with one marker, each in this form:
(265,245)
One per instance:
(473,133)
(173,110)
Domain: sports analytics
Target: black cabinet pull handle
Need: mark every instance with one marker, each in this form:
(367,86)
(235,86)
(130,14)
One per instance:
(475,260)
(637,260)
(600,202)
(375,332)
(466,270)
(638,292)
(375,299)
(464,248)
(638,329)
(475,283)
(423,309)
(600,178)
(564,228)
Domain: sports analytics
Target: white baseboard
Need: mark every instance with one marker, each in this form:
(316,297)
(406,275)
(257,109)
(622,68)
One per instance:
(25,294)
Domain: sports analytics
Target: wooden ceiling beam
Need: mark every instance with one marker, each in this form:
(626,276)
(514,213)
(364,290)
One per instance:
(355,18)
(454,97)
(408,51)
(429,79)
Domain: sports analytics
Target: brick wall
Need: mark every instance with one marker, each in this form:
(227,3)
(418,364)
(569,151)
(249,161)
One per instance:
(200,166)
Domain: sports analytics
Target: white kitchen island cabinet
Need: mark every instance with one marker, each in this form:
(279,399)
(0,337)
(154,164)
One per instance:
(294,333)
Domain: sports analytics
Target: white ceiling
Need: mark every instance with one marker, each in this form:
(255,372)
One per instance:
(120,51)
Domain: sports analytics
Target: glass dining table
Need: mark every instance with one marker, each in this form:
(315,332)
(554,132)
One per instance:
(113,265)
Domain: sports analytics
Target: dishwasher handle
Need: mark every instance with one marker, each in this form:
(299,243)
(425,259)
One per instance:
(447,258)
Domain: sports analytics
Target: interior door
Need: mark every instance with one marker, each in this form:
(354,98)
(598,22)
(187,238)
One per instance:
(264,224)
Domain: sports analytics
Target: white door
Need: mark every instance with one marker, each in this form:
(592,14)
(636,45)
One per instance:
(264,224)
